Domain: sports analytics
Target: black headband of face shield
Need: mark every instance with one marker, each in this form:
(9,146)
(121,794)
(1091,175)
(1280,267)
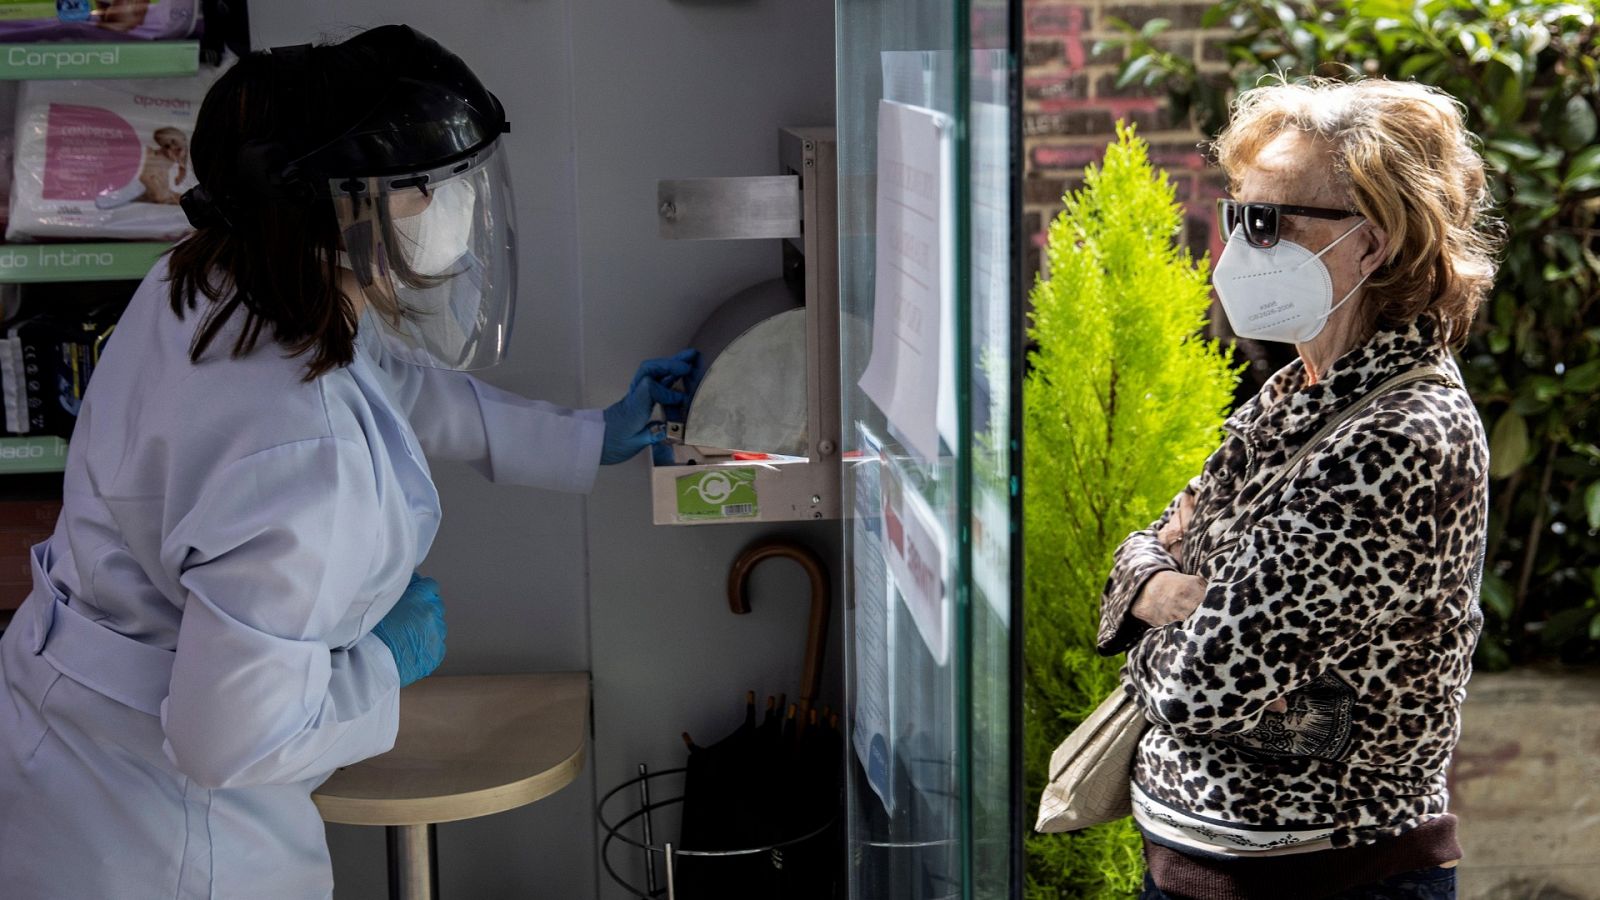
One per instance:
(261,172)
(415,106)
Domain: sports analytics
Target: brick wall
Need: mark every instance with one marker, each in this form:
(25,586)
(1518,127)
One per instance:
(1069,112)
(1071,104)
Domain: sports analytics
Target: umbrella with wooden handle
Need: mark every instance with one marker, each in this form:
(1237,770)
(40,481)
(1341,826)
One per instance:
(821,608)
(767,785)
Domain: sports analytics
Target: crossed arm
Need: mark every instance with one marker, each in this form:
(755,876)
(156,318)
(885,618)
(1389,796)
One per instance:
(1306,584)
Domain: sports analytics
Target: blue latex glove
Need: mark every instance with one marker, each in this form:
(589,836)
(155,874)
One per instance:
(629,427)
(414,630)
(679,412)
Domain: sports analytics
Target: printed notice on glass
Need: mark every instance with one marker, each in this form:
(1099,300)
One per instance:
(912,299)
(873,731)
(915,546)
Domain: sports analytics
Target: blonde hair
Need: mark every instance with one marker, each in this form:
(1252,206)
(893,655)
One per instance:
(1403,155)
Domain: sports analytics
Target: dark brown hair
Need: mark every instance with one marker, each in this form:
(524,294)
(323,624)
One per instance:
(268,253)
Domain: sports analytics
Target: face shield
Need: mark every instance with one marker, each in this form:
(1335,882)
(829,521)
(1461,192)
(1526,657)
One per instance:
(416,175)
(434,255)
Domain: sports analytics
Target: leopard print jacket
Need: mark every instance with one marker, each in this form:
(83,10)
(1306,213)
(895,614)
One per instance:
(1352,594)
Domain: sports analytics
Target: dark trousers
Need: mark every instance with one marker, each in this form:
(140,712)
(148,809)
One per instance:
(1432,883)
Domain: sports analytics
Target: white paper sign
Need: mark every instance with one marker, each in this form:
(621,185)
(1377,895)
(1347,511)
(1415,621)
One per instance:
(873,731)
(911,328)
(917,552)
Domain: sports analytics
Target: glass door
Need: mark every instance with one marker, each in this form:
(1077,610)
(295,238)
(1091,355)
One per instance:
(929,292)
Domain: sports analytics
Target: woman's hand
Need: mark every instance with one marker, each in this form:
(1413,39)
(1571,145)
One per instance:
(414,630)
(629,428)
(1169,597)
(1171,534)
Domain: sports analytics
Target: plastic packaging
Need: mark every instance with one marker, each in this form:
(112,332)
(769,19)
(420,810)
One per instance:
(103,159)
(23,21)
(46,361)
(6,145)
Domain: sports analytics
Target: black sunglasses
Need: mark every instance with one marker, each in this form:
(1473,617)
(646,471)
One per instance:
(1260,220)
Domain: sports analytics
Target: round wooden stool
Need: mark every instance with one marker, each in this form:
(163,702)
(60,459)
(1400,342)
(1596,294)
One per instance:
(468,746)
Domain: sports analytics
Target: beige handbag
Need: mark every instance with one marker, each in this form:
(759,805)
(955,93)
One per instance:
(1091,772)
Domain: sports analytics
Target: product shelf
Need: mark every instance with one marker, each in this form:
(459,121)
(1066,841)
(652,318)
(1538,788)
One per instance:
(21,455)
(109,261)
(129,59)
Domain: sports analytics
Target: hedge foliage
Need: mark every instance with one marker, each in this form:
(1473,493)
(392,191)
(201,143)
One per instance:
(1123,403)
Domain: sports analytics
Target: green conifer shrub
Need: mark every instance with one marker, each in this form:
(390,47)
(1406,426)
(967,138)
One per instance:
(1123,403)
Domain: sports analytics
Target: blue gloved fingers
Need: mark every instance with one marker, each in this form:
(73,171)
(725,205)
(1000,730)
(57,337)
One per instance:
(641,402)
(668,369)
(628,420)
(690,356)
(627,424)
(697,374)
(414,630)
(678,410)
(633,411)
(664,395)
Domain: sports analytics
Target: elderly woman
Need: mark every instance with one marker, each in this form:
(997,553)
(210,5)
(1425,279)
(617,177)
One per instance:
(1300,625)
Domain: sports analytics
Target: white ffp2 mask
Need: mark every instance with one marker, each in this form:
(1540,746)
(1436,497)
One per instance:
(437,237)
(1282,293)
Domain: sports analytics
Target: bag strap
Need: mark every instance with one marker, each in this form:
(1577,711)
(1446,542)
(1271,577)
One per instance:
(1411,376)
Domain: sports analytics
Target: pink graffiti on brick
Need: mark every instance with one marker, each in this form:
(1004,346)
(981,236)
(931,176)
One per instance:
(1048,157)
(1054,95)
(1074,39)
(1054,19)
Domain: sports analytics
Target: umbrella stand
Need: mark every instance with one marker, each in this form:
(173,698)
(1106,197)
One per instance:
(667,852)
(736,841)
(649,832)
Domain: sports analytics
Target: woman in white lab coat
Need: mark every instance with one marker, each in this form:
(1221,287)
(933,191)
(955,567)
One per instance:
(227,609)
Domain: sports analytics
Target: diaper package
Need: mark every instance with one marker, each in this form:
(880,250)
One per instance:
(98,20)
(103,160)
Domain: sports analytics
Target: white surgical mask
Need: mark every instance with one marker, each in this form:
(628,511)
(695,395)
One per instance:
(1283,293)
(437,237)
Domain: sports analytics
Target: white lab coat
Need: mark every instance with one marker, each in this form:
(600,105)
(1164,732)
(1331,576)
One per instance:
(196,655)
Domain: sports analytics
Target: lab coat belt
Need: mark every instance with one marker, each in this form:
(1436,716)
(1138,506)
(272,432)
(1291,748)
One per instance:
(126,670)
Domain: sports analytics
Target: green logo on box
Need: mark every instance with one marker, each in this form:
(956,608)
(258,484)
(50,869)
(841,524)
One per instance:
(717,494)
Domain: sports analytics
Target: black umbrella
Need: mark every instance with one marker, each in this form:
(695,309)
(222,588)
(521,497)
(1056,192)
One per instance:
(774,785)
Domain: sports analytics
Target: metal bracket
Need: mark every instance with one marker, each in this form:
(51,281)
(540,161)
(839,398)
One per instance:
(711,209)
